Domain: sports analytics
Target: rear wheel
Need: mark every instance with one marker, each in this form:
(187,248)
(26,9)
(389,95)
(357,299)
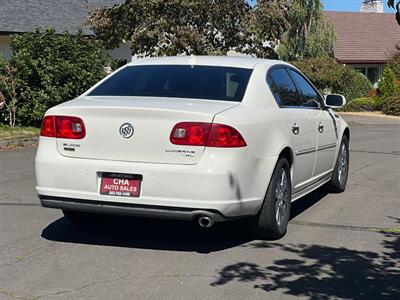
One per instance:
(272,220)
(78,217)
(341,170)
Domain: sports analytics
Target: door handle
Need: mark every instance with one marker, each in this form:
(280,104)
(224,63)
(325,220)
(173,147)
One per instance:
(320,128)
(295,129)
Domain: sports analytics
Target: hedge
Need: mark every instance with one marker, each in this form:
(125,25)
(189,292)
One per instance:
(361,104)
(53,68)
(392,106)
(331,77)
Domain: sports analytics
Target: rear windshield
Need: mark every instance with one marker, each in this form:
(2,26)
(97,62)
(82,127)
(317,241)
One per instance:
(178,81)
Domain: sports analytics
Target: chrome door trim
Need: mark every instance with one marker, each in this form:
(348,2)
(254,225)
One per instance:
(306,151)
(328,146)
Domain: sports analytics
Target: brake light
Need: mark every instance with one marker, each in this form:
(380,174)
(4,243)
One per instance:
(190,133)
(206,134)
(63,127)
(224,136)
(48,127)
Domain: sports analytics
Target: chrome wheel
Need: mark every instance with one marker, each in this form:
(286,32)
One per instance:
(342,164)
(282,197)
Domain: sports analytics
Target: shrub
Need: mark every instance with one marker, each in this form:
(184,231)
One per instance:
(54,68)
(392,106)
(394,64)
(330,77)
(361,104)
(388,86)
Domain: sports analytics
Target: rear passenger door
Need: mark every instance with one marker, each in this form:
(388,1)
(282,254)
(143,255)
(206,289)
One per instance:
(325,126)
(299,123)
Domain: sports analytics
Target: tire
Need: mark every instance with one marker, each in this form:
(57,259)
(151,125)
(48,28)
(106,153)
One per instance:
(269,223)
(77,217)
(341,171)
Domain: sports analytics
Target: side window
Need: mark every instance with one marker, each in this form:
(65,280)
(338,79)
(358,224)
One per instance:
(283,88)
(311,98)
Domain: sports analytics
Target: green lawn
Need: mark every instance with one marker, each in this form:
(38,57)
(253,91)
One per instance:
(7,132)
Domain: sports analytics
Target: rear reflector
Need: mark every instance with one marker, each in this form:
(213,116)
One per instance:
(206,134)
(63,127)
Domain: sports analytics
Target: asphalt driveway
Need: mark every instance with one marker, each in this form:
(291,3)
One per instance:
(339,246)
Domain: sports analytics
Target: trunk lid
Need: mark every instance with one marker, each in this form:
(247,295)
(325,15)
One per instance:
(152,120)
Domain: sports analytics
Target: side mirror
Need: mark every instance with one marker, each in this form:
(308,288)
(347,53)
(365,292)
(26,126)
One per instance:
(335,101)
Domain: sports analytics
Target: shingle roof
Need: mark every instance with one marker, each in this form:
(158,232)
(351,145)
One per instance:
(63,15)
(364,37)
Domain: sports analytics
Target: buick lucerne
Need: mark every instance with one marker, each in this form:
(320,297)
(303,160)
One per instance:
(207,139)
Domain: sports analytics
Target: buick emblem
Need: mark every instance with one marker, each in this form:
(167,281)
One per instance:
(126,130)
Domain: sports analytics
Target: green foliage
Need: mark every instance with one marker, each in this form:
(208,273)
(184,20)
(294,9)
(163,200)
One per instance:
(361,104)
(267,21)
(388,86)
(53,68)
(392,106)
(330,77)
(353,84)
(199,27)
(158,27)
(394,64)
(310,34)
(10,96)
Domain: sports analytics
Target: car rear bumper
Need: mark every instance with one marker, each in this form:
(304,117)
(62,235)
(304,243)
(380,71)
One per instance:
(115,208)
(224,184)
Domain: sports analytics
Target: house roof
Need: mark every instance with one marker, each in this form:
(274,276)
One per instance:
(17,16)
(364,37)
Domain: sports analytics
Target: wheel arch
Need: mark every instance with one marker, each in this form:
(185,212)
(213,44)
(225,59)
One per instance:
(287,153)
(346,132)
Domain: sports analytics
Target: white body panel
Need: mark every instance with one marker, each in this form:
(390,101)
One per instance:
(230,181)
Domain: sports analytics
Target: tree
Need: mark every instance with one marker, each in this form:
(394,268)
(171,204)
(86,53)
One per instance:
(391,3)
(266,24)
(173,27)
(159,27)
(10,98)
(310,34)
(47,69)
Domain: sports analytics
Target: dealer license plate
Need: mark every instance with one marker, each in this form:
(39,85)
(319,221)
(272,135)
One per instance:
(117,184)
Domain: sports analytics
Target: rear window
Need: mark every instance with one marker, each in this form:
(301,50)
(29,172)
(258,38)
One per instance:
(178,81)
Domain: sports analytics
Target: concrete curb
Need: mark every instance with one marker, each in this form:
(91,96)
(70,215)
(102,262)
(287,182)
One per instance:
(19,142)
(373,114)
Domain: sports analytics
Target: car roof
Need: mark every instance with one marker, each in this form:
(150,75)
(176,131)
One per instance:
(225,61)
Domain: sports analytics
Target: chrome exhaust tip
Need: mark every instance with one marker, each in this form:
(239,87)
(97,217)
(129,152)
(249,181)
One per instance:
(206,222)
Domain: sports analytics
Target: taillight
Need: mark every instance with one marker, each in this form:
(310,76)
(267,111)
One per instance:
(206,134)
(63,127)
(225,136)
(48,127)
(190,133)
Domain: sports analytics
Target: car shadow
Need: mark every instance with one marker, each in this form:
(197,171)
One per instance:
(130,232)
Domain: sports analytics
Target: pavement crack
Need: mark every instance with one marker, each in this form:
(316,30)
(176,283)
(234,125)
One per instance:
(395,153)
(78,289)
(15,296)
(368,165)
(393,231)
(19,204)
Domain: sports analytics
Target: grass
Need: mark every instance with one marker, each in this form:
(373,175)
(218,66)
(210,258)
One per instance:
(7,132)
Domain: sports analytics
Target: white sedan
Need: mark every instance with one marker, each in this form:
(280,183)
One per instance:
(207,139)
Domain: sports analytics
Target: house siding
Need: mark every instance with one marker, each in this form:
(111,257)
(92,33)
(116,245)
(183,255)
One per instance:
(5,49)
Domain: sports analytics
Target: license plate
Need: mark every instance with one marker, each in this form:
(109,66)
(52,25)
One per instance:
(124,185)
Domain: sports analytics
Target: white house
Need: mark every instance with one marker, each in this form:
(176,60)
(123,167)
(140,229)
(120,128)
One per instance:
(20,16)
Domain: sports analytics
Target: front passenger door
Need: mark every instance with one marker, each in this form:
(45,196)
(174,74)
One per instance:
(325,126)
(299,125)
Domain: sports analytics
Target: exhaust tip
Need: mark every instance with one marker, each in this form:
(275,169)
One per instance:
(206,222)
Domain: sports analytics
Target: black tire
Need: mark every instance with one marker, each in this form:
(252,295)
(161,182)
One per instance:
(265,225)
(339,177)
(77,217)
